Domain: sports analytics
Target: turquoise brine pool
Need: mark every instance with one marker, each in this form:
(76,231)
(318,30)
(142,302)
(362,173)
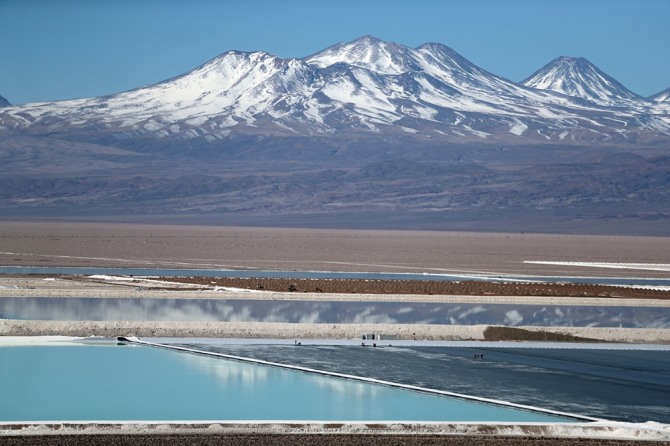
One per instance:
(139,383)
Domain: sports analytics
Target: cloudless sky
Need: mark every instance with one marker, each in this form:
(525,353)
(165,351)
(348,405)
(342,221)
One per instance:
(64,49)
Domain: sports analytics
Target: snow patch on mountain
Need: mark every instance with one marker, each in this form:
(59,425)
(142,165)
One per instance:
(662,97)
(662,102)
(518,128)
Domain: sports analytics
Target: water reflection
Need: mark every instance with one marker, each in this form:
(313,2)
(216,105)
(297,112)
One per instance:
(226,372)
(325,312)
(230,373)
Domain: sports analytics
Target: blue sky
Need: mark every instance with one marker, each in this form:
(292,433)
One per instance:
(64,49)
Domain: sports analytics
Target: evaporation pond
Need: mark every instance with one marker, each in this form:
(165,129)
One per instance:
(112,382)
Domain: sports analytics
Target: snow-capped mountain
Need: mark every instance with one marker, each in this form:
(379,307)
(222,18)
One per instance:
(362,134)
(368,86)
(4,102)
(579,78)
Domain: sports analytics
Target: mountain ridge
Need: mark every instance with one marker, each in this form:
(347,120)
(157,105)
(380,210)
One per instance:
(367,85)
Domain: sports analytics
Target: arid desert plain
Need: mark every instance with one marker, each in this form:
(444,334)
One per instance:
(130,245)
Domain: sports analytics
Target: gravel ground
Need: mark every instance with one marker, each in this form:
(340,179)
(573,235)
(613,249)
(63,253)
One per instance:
(280,330)
(436,287)
(307,440)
